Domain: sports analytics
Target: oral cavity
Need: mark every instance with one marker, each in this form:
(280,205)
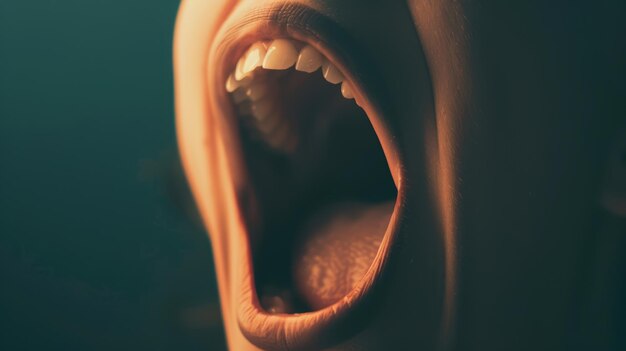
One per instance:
(318,179)
(251,86)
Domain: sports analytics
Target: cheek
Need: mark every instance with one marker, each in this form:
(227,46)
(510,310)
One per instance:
(203,160)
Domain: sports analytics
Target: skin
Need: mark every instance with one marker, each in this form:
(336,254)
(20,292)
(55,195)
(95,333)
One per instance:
(502,128)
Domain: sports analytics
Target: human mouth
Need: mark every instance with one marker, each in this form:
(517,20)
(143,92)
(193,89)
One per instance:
(325,194)
(320,179)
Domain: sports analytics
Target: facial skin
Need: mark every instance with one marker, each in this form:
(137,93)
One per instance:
(497,122)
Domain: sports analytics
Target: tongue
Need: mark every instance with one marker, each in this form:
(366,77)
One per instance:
(337,248)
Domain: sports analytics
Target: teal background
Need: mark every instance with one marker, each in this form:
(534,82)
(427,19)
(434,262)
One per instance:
(100,247)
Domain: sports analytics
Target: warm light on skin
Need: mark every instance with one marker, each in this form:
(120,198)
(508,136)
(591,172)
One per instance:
(194,108)
(196,26)
(470,249)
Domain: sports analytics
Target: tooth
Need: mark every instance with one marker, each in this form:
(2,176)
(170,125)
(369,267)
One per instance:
(256,91)
(262,109)
(239,75)
(309,59)
(254,57)
(331,73)
(280,55)
(239,95)
(231,84)
(346,90)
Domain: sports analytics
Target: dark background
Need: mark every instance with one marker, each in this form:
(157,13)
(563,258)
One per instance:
(100,247)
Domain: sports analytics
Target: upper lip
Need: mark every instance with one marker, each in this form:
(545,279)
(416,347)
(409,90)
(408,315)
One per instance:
(317,329)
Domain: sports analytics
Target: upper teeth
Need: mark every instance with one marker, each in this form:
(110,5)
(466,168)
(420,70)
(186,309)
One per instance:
(279,54)
(309,60)
(254,57)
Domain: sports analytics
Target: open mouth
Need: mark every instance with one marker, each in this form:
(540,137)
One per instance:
(323,191)
(317,179)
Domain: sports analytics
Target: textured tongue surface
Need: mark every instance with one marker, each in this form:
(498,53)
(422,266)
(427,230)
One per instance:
(338,247)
